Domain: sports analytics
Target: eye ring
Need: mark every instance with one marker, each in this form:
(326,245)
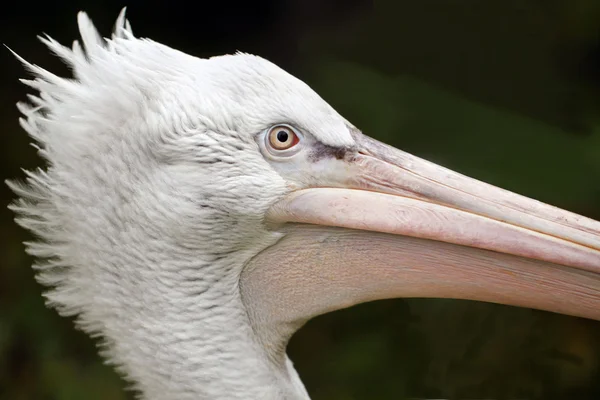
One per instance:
(282,138)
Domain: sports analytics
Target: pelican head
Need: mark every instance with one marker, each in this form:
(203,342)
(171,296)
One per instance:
(194,213)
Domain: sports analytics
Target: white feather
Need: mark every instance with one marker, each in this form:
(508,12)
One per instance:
(153,201)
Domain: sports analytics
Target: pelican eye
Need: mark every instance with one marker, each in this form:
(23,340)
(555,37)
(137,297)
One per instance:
(282,137)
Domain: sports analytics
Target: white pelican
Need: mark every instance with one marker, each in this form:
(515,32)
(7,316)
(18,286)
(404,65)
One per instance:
(196,212)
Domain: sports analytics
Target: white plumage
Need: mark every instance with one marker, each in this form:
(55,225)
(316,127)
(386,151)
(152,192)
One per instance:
(153,201)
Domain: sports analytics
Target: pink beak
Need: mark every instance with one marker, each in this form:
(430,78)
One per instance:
(400,226)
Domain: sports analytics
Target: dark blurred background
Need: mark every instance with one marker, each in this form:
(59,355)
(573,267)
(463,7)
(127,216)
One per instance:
(507,91)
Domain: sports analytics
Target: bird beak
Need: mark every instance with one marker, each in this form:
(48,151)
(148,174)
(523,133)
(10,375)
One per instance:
(399,226)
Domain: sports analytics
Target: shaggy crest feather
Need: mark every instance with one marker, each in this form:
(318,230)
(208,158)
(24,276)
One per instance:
(37,205)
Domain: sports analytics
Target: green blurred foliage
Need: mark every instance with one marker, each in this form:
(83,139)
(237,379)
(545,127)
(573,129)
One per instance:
(467,84)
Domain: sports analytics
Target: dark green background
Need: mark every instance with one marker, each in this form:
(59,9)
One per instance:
(507,91)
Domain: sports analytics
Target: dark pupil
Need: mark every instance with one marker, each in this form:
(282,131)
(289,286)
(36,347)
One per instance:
(282,136)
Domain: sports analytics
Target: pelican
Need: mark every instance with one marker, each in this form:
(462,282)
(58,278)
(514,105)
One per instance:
(195,213)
